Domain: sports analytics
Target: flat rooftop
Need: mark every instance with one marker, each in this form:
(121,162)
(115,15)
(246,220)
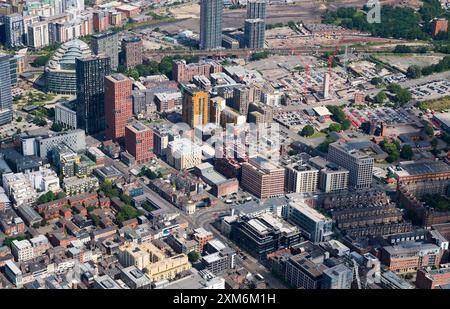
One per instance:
(415,168)
(310,212)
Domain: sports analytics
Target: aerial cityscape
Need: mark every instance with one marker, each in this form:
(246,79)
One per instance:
(224,144)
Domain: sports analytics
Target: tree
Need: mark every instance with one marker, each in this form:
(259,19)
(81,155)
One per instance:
(402,49)
(40,61)
(406,152)
(307,131)
(365,127)
(335,127)
(19,119)
(126,199)
(429,131)
(45,198)
(126,213)
(133,73)
(414,71)
(8,241)
(394,88)
(108,189)
(434,142)
(376,81)
(380,97)
(60,195)
(56,127)
(39,121)
(392,149)
(323,147)
(403,96)
(193,256)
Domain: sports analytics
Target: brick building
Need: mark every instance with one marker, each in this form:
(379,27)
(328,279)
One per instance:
(118,105)
(139,142)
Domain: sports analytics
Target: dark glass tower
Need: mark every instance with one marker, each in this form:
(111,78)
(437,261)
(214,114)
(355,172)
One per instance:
(5,90)
(91,74)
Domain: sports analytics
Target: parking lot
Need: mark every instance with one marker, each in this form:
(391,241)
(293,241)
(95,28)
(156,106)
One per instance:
(387,115)
(431,90)
(294,120)
(240,197)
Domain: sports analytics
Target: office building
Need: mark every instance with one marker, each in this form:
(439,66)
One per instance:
(433,278)
(167,101)
(195,280)
(6,99)
(118,105)
(301,177)
(303,273)
(195,106)
(152,261)
(410,256)
(14,30)
(339,277)
(216,106)
(105,282)
(66,114)
(211,24)
(218,258)
(107,44)
(260,113)
(256,9)
(332,177)
(139,142)
(254,31)
(262,235)
(60,75)
(132,52)
(25,250)
(19,189)
(183,154)
(75,185)
(314,226)
(241,100)
(22,250)
(262,178)
(65,160)
(356,158)
(229,42)
(91,74)
(135,278)
(43,145)
(160,140)
(100,20)
(38,35)
(183,72)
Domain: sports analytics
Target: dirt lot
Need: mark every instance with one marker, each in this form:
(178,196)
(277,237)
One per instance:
(308,11)
(403,62)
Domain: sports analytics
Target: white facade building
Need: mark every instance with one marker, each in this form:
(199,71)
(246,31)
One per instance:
(183,154)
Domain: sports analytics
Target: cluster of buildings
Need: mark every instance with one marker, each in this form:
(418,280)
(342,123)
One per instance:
(211,20)
(41,24)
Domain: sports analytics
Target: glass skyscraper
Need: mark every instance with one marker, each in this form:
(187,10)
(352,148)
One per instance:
(5,90)
(91,74)
(211,24)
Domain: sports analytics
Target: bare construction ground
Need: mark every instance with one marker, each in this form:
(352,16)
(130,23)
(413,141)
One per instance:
(308,11)
(403,62)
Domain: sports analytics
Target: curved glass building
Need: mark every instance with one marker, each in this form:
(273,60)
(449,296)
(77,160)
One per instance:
(60,72)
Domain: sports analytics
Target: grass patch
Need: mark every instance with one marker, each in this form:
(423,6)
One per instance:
(437,105)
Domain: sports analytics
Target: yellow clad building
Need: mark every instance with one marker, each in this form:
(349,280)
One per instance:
(152,261)
(195,107)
